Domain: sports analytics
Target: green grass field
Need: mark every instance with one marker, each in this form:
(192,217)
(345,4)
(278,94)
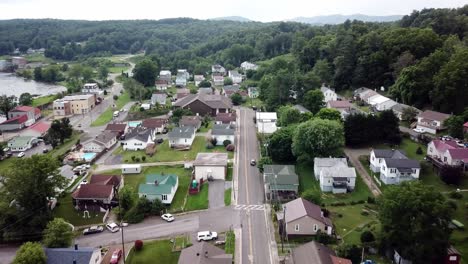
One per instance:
(43,100)
(159,251)
(230,245)
(118,69)
(227,197)
(107,115)
(66,211)
(198,201)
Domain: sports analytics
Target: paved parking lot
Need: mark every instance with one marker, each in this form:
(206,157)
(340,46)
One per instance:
(216,194)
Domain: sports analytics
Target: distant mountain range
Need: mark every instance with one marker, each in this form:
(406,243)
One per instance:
(338,19)
(232,18)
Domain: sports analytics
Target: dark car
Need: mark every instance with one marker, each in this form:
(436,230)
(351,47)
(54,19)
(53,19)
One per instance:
(164,131)
(159,140)
(93,230)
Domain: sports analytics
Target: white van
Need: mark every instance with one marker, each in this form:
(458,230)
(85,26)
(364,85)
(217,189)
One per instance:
(113,227)
(116,113)
(206,236)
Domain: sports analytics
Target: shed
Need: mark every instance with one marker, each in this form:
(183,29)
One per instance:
(131,168)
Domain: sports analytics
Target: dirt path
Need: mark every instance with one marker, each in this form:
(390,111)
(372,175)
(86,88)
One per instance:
(353,155)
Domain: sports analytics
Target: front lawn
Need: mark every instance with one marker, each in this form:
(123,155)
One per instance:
(198,201)
(227,197)
(66,210)
(159,251)
(230,245)
(38,101)
(107,115)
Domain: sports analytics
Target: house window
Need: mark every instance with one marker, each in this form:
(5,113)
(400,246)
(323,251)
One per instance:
(296,228)
(445,159)
(383,168)
(315,228)
(164,197)
(414,171)
(372,158)
(430,149)
(380,160)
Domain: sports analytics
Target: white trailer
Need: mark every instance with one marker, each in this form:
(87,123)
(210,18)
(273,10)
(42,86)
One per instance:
(131,168)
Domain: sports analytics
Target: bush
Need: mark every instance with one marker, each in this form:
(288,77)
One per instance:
(133,158)
(115,97)
(367,236)
(419,151)
(230,147)
(133,216)
(143,158)
(209,145)
(452,204)
(105,92)
(364,213)
(214,141)
(226,142)
(455,195)
(142,109)
(137,159)
(138,245)
(313,196)
(157,207)
(370,200)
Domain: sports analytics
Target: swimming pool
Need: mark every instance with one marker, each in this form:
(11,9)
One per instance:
(89,156)
(134,123)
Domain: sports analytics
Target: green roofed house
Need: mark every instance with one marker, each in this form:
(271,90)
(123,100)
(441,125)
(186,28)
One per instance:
(21,143)
(159,186)
(281,182)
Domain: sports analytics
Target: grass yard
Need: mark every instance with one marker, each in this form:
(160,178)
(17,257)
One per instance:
(199,201)
(67,144)
(66,211)
(159,251)
(249,102)
(107,115)
(118,69)
(204,129)
(227,197)
(230,171)
(38,101)
(38,57)
(230,245)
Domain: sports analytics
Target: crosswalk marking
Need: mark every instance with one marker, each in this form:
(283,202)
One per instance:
(249,207)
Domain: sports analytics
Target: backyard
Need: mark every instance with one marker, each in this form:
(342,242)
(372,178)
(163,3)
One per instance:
(107,115)
(38,101)
(159,251)
(66,210)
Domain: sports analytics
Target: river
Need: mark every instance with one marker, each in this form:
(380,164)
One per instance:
(13,85)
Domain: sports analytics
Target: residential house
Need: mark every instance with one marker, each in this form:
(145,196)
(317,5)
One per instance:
(328,94)
(245,66)
(378,155)
(223,132)
(218,69)
(156,124)
(101,192)
(303,218)
(314,252)
(341,106)
(229,90)
(181,137)
(204,253)
(210,165)
(20,62)
(119,129)
(16,123)
(301,109)
(235,76)
(104,141)
(218,80)
(448,152)
(226,118)
(381,103)
(398,110)
(75,255)
(453,256)
(138,139)
(184,73)
(37,130)
(181,93)
(205,90)
(252,92)
(91,88)
(334,175)
(158,99)
(431,121)
(205,104)
(198,79)
(161,85)
(281,182)
(159,186)
(33,113)
(165,76)
(266,122)
(193,121)
(61,108)
(79,104)
(396,171)
(21,143)
(358,93)
(181,81)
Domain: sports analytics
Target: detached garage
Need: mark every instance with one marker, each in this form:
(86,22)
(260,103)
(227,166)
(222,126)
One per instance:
(131,168)
(211,165)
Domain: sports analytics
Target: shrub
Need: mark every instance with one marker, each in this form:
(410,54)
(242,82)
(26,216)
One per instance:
(455,195)
(209,145)
(452,204)
(313,196)
(157,207)
(214,141)
(226,142)
(361,201)
(367,236)
(138,245)
(142,109)
(137,159)
(419,151)
(133,158)
(133,216)
(364,213)
(115,97)
(370,200)
(230,147)
(143,158)
(105,92)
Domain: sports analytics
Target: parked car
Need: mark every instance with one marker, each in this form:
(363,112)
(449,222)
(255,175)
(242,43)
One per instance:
(21,154)
(116,256)
(419,130)
(159,140)
(206,236)
(113,227)
(168,217)
(254,108)
(253,162)
(6,149)
(93,230)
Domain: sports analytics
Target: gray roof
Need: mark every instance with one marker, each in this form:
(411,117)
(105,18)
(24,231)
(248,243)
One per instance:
(222,129)
(316,253)
(280,174)
(67,255)
(401,107)
(205,90)
(300,207)
(160,98)
(329,162)
(140,134)
(389,153)
(325,89)
(105,137)
(233,88)
(204,253)
(194,121)
(211,159)
(182,132)
(301,108)
(214,101)
(339,171)
(402,163)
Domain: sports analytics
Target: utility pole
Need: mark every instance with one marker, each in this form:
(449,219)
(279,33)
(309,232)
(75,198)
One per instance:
(122,229)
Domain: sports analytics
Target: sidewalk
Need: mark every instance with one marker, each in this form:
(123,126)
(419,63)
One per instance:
(119,166)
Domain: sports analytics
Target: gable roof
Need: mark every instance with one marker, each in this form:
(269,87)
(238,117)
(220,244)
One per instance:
(40,127)
(222,129)
(326,89)
(154,122)
(443,145)
(402,163)
(205,90)
(195,254)
(433,115)
(459,154)
(17,120)
(140,134)
(93,191)
(25,108)
(20,141)
(300,207)
(194,121)
(211,159)
(101,179)
(158,184)
(339,104)
(389,153)
(105,137)
(214,101)
(68,255)
(316,253)
(159,97)
(281,174)
(181,132)
(226,117)
(116,127)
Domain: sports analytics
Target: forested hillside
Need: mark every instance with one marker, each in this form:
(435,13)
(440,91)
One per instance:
(421,60)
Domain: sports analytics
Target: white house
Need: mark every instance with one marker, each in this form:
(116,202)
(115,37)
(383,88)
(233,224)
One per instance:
(91,88)
(248,66)
(102,142)
(181,137)
(159,186)
(448,152)
(235,76)
(218,80)
(137,139)
(431,121)
(334,175)
(131,168)
(266,122)
(161,85)
(21,143)
(184,73)
(165,76)
(381,103)
(328,94)
(181,81)
(218,69)
(223,132)
(378,155)
(158,98)
(211,165)
(198,79)
(79,255)
(395,171)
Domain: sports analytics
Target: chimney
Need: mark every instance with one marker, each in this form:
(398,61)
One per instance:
(206,254)
(76,246)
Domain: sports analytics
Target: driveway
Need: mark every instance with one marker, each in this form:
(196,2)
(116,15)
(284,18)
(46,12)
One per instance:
(216,194)
(353,155)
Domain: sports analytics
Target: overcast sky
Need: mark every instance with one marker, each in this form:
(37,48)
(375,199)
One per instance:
(259,10)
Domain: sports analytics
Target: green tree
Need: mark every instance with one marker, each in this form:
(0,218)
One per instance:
(313,100)
(329,113)
(30,253)
(280,143)
(323,70)
(228,81)
(205,84)
(59,131)
(58,234)
(288,115)
(7,103)
(318,138)
(126,197)
(103,72)
(25,99)
(313,196)
(38,74)
(409,114)
(351,252)
(145,72)
(157,207)
(87,74)
(236,99)
(75,71)
(454,125)
(411,213)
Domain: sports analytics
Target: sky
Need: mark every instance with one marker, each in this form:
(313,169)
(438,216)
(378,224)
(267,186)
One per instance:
(258,10)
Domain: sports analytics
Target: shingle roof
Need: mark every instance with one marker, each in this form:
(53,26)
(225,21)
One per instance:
(116,127)
(194,121)
(433,115)
(17,120)
(402,163)
(389,153)
(459,153)
(196,255)
(280,174)
(93,191)
(164,185)
(105,137)
(40,127)
(25,108)
(211,159)
(226,117)
(20,141)
(300,207)
(101,179)
(68,255)
(181,132)
(140,134)
(316,253)
(214,101)
(222,129)
(339,104)
(154,122)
